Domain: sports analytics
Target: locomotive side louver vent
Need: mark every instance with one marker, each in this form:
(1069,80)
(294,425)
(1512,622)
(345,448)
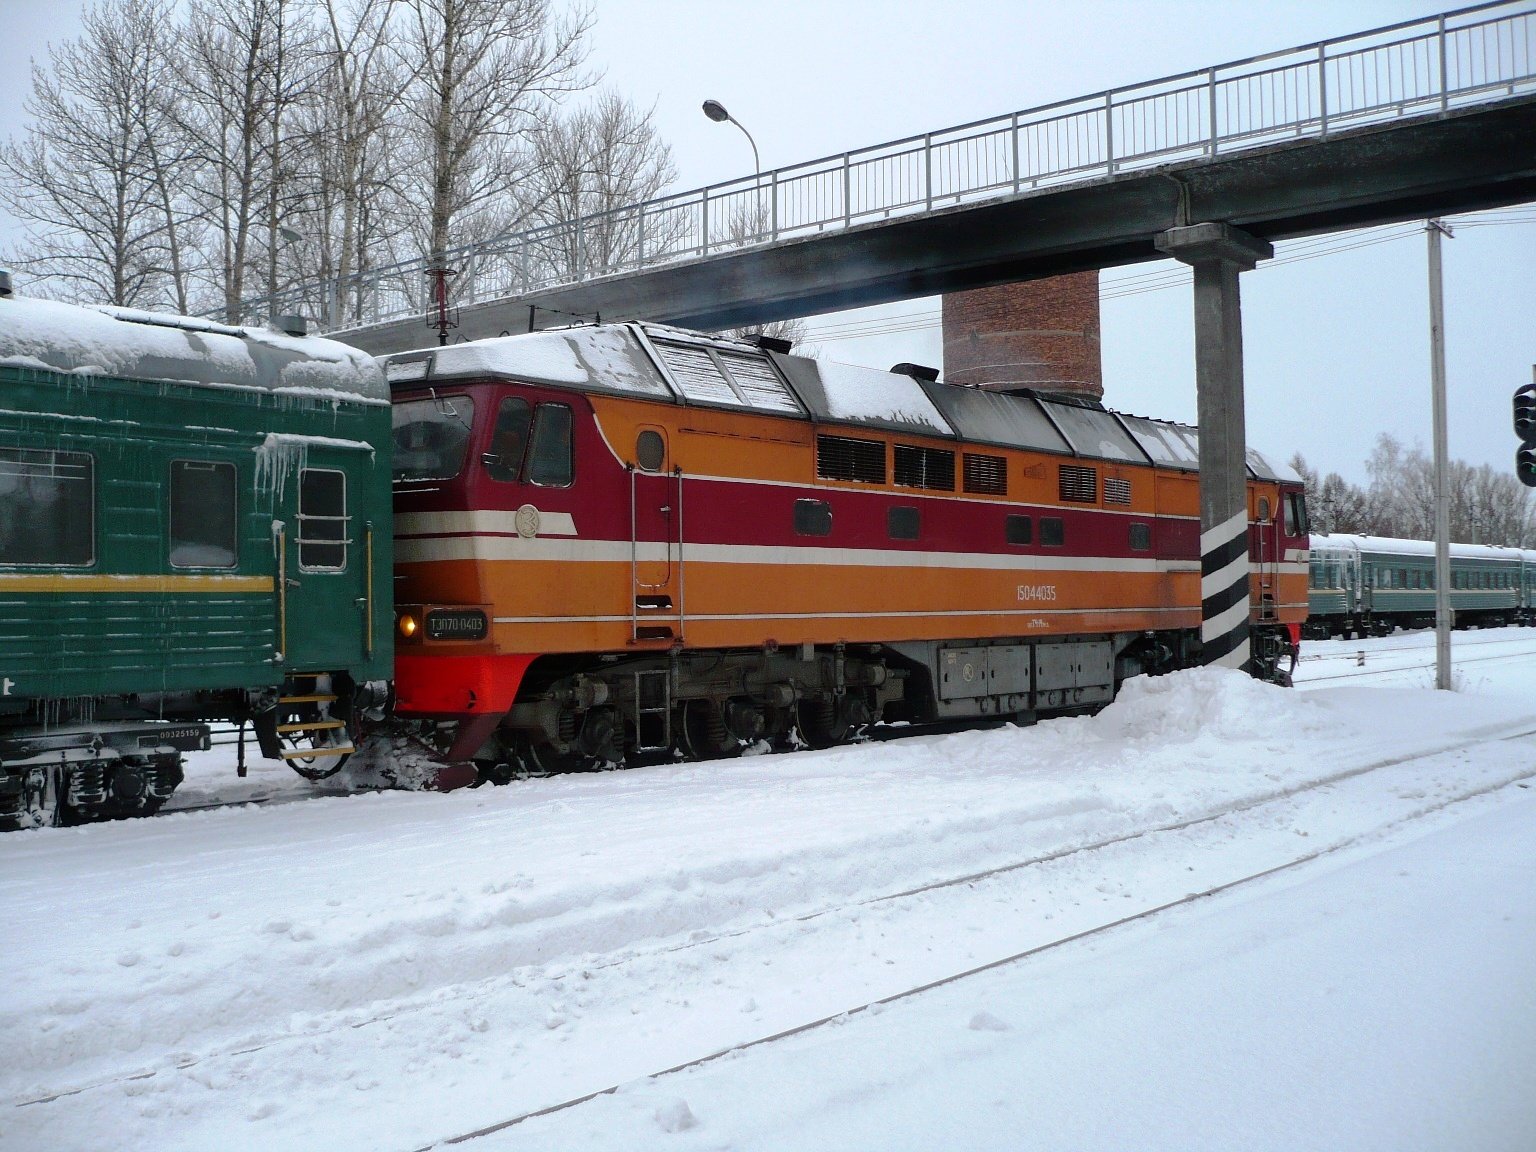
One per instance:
(986,474)
(845,458)
(1079,484)
(1117,490)
(925,468)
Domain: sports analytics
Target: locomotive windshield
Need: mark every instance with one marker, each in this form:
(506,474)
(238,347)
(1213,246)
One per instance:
(431,437)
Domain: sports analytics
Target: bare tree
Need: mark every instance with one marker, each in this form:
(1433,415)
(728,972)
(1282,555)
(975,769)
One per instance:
(486,72)
(249,63)
(597,166)
(339,173)
(96,174)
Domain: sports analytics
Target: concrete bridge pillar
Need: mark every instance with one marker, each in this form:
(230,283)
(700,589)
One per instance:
(1218,252)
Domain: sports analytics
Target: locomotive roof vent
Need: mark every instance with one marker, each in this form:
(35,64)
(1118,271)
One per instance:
(916,371)
(289,325)
(771,343)
(5,284)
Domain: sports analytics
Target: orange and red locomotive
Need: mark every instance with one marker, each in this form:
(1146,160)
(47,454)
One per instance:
(624,539)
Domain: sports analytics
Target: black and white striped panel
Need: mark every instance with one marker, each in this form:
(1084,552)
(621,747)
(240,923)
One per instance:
(1224,593)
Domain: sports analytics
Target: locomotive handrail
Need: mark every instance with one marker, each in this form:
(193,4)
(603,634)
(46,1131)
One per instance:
(1458,59)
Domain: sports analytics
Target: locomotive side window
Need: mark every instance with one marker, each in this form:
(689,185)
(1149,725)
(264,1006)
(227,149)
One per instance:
(47,508)
(1019,530)
(1141,537)
(902,523)
(650,451)
(1053,533)
(322,520)
(1296,514)
(431,437)
(549,460)
(204,514)
(813,518)
(509,440)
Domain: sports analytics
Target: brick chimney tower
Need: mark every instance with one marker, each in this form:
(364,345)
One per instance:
(1040,334)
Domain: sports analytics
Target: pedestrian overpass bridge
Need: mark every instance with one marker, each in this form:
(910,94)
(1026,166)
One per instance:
(1413,120)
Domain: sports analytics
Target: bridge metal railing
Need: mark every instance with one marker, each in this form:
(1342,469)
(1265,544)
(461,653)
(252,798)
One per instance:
(1420,68)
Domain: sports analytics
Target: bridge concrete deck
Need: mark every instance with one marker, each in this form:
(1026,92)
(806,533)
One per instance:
(1464,160)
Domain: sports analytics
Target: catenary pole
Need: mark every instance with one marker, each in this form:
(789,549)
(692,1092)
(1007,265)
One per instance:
(1434,229)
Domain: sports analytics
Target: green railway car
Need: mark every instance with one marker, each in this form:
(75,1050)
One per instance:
(194,527)
(1363,585)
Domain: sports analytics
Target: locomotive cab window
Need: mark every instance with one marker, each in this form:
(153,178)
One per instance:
(509,439)
(47,508)
(322,520)
(431,437)
(1053,533)
(550,462)
(1295,514)
(1019,530)
(204,514)
(1141,537)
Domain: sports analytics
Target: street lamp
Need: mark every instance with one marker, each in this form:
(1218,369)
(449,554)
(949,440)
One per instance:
(716,112)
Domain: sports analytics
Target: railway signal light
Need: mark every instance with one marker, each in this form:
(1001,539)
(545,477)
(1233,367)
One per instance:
(1525,428)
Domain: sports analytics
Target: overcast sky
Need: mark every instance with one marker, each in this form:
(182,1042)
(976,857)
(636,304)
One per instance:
(1336,337)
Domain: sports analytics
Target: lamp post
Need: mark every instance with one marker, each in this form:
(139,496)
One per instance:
(716,112)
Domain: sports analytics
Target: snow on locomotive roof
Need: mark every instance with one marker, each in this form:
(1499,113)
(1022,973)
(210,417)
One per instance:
(607,358)
(984,417)
(665,363)
(135,345)
(1174,445)
(848,393)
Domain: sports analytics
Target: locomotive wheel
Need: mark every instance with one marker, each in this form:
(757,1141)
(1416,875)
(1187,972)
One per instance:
(819,723)
(547,760)
(701,732)
(314,744)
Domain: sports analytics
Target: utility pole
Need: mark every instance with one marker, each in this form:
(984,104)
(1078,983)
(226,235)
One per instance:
(1434,229)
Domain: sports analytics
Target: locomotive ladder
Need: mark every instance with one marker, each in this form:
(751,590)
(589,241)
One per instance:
(642,600)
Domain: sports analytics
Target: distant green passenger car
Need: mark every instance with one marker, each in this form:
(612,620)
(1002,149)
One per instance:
(194,526)
(1369,585)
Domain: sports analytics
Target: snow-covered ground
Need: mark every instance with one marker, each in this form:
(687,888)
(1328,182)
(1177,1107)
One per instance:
(394,970)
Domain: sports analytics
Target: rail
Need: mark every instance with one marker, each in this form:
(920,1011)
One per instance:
(1415,69)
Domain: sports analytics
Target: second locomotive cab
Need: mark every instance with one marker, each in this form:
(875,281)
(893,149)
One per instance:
(628,540)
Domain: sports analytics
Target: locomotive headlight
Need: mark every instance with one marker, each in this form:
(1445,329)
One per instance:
(408,625)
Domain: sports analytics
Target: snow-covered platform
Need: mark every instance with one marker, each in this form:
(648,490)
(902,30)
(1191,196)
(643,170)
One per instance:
(387,971)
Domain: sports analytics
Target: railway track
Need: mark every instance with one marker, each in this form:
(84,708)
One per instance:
(1460,641)
(1356,673)
(750,938)
(1249,878)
